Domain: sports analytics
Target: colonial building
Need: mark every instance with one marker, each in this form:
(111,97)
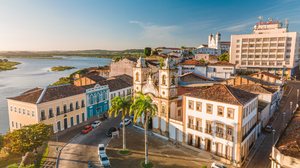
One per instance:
(285,151)
(97,97)
(271,47)
(88,79)
(61,106)
(222,120)
(217,70)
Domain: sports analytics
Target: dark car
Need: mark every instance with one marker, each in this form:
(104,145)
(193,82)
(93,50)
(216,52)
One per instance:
(110,131)
(87,129)
(269,128)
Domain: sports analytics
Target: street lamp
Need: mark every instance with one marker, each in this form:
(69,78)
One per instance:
(273,132)
(284,113)
(297,97)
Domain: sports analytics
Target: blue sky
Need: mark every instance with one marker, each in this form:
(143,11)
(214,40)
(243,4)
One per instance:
(123,24)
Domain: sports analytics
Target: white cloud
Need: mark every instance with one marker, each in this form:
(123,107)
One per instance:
(238,27)
(156,32)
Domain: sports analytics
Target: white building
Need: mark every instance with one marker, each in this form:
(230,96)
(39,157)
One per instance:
(271,47)
(222,120)
(218,70)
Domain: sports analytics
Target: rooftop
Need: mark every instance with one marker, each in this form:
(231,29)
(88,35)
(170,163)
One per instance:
(193,77)
(267,74)
(193,62)
(50,93)
(221,63)
(224,93)
(256,88)
(289,142)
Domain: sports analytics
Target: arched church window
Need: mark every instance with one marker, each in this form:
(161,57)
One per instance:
(137,77)
(163,82)
(173,80)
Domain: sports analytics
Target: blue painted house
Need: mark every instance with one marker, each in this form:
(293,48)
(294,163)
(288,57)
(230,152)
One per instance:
(97,100)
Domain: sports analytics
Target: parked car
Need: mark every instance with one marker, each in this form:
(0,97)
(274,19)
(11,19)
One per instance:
(268,128)
(110,131)
(217,165)
(104,161)
(87,129)
(127,122)
(96,123)
(101,149)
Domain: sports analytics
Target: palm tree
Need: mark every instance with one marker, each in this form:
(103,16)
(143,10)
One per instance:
(121,105)
(143,106)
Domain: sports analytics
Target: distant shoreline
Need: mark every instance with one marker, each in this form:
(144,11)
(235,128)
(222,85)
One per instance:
(61,68)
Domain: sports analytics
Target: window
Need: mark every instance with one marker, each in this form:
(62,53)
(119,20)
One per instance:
(220,111)
(65,109)
(11,108)
(82,103)
(51,113)
(209,108)
(28,112)
(19,110)
(164,80)
(77,105)
(163,110)
(82,117)
(43,117)
(137,77)
(12,124)
(230,113)
(72,121)
(77,119)
(191,104)
(15,109)
(71,107)
(16,125)
(57,110)
(24,111)
(32,113)
(179,113)
(199,106)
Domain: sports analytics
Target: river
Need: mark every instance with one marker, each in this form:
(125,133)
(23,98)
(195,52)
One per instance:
(34,72)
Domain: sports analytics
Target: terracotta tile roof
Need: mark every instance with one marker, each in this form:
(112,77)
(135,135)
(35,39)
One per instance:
(260,81)
(221,63)
(184,90)
(225,94)
(95,77)
(193,62)
(30,96)
(193,77)
(256,88)
(289,142)
(49,94)
(268,74)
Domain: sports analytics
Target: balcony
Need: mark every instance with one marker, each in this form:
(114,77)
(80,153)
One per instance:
(191,126)
(198,128)
(229,137)
(220,134)
(208,131)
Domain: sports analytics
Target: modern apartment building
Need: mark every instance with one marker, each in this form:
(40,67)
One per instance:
(271,47)
(61,106)
(222,120)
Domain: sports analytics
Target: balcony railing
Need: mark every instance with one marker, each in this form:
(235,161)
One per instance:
(220,134)
(208,131)
(198,128)
(229,137)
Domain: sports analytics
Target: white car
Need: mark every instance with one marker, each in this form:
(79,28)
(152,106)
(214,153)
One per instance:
(101,149)
(127,122)
(96,123)
(104,160)
(217,165)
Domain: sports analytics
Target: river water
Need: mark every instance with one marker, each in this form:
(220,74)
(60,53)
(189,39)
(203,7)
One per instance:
(36,73)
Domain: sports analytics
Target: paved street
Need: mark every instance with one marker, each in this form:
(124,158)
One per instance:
(261,158)
(83,148)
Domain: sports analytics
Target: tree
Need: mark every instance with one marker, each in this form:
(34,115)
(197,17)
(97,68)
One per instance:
(161,62)
(1,141)
(143,106)
(28,138)
(121,105)
(224,57)
(202,60)
(147,51)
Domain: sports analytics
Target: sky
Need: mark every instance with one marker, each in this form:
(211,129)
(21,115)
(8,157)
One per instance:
(126,24)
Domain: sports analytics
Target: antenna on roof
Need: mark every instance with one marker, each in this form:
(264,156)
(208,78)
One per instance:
(260,18)
(286,23)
